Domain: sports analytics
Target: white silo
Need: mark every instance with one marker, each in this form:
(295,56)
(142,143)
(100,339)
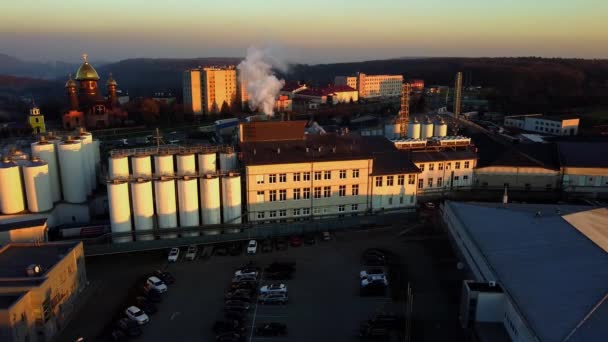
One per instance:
(86,166)
(89,152)
(70,165)
(37,182)
(413,129)
(11,191)
(210,201)
(120,212)
(118,167)
(426,130)
(166,211)
(392,130)
(141,166)
(163,165)
(186,164)
(187,190)
(97,161)
(228,161)
(142,201)
(207,163)
(231,199)
(441,129)
(45,150)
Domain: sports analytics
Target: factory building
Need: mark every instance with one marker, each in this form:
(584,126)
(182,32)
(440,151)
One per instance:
(444,170)
(39,284)
(537,272)
(331,95)
(372,86)
(543,124)
(211,90)
(34,230)
(584,166)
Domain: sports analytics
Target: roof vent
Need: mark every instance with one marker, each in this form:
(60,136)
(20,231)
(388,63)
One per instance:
(33,270)
(254,152)
(279,150)
(333,149)
(492,283)
(538,214)
(320,148)
(307,150)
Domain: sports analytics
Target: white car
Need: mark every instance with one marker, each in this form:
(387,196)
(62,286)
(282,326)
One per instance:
(191,252)
(252,247)
(245,273)
(136,314)
(370,272)
(326,236)
(273,288)
(375,278)
(173,254)
(157,284)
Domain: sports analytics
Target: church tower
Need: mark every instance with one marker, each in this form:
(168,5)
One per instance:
(70,87)
(36,120)
(111,84)
(87,78)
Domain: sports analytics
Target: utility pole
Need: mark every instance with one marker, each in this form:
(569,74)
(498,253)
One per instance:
(457,100)
(408,313)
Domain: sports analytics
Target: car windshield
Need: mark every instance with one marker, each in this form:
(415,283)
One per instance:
(173,251)
(157,282)
(137,313)
(252,244)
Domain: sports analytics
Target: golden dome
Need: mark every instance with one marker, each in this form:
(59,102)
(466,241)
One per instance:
(86,71)
(111,81)
(70,82)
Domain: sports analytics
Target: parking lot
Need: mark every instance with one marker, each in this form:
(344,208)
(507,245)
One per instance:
(324,300)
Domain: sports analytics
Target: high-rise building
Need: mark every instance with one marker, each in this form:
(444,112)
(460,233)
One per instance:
(457,95)
(192,92)
(211,90)
(371,86)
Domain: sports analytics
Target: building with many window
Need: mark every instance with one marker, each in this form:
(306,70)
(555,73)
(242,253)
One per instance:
(544,124)
(372,86)
(211,90)
(444,170)
(584,166)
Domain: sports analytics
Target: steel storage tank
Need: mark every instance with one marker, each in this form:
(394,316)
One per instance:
(187,190)
(142,201)
(210,202)
(231,198)
(164,189)
(441,129)
(413,129)
(392,131)
(96,160)
(88,149)
(207,163)
(118,167)
(11,191)
(426,130)
(37,182)
(186,164)
(86,167)
(120,212)
(45,150)
(70,165)
(163,165)
(141,166)
(228,161)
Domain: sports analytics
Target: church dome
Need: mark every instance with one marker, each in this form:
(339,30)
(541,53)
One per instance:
(86,72)
(70,83)
(111,81)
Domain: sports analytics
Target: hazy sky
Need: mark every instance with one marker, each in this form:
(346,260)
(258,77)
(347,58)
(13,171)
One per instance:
(310,31)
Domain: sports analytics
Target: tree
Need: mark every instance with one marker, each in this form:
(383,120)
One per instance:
(149,110)
(225,109)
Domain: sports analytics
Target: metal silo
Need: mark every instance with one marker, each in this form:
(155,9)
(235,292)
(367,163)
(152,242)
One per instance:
(142,202)
(118,167)
(86,166)
(441,129)
(37,182)
(228,161)
(164,189)
(120,211)
(413,129)
(45,150)
(427,130)
(141,166)
(186,164)
(11,191)
(97,161)
(207,163)
(392,130)
(187,190)
(231,198)
(70,165)
(210,201)
(89,152)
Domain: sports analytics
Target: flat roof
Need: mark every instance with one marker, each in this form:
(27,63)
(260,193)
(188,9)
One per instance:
(22,224)
(443,155)
(16,257)
(583,154)
(392,163)
(554,274)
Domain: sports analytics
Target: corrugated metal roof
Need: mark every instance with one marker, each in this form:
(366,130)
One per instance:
(583,154)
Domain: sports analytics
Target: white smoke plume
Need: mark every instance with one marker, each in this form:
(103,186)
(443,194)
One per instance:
(261,84)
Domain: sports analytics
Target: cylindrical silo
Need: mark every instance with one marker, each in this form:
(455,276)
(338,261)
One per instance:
(118,167)
(228,161)
(11,191)
(37,182)
(441,129)
(210,200)
(392,130)
(413,129)
(231,199)
(207,163)
(141,166)
(187,189)
(186,164)
(426,130)
(45,150)
(86,166)
(163,165)
(89,152)
(143,207)
(166,210)
(70,165)
(97,161)
(120,211)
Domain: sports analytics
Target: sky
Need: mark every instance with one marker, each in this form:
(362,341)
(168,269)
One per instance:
(305,31)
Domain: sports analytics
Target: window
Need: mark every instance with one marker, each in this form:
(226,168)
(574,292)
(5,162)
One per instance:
(439,181)
(341,208)
(342,191)
(326,174)
(456,178)
(401,200)
(390,201)
(296,194)
(296,177)
(355,189)
(272,194)
(421,167)
(296,212)
(448,165)
(342,174)
(316,211)
(272,213)
(260,215)
(305,211)
(306,194)
(259,179)
(306,176)
(400,179)
(354,207)
(356,173)
(430,182)
(411,199)
(282,195)
(457,165)
(260,197)
(282,213)
(465,178)
(317,175)
(466,164)
(272,178)
(378,182)
(389,180)
(282,177)
(440,166)
(327,191)
(420,183)
(411,179)
(431,167)
(318,192)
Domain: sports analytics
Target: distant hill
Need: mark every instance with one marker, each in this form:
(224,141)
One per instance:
(15,67)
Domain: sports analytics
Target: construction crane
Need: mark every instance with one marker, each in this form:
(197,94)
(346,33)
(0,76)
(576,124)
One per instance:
(404,111)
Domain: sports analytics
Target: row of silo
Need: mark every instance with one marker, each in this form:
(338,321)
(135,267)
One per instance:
(29,175)
(427,129)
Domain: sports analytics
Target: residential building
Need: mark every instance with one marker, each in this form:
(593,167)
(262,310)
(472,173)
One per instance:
(584,166)
(291,88)
(537,272)
(283,104)
(192,92)
(329,95)
(211,90)
(39,284)
(544,124)
(372,86)
(416,84)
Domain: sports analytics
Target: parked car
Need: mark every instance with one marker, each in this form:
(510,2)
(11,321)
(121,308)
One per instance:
(273,298)
(129,327)
(152,294)
(173,255)
(116,335)
(136,314)
(273,288)
(247,285)
(146,305)
(239,293)
(295,241)
(252,247)
(266,246)
(165,276)
(234,315)
(280,244)
(374,288)
(157,284)
(236,305)
(191,252)
(326,236)
(281,266)
(230,337)
(374,257)
(222,327)
(270,329)
(374,332)
(247,271)
(310,239)
(430,205)
(371,271)
(386,321)
(374,278)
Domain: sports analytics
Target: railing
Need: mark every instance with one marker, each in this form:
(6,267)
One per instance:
(169,176)
(170,149)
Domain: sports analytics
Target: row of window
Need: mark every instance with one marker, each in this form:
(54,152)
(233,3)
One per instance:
(305,176)
(457,165)
(304,193)
(303,211)
(439,182)
(390,180)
